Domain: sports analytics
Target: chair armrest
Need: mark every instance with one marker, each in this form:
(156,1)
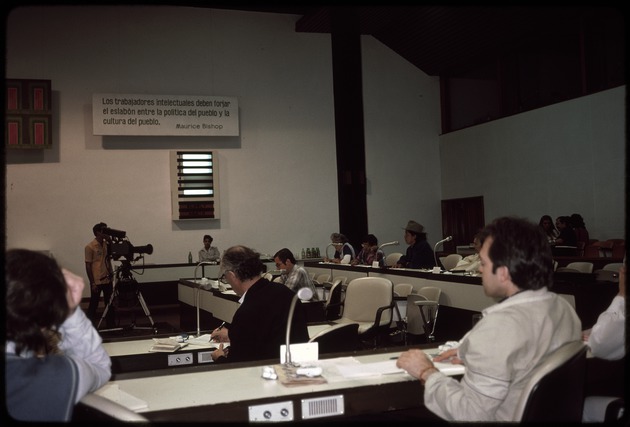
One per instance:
(379,313)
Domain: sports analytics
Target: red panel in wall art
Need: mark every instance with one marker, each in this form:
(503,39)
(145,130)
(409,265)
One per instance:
(28,115)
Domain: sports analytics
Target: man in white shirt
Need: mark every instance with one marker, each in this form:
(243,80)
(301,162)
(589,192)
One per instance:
(208,252)
(500,351)
(606,340)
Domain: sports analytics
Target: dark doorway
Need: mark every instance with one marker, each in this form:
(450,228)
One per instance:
(462,219)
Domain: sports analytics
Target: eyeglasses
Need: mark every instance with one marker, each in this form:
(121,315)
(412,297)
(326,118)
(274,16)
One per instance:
(222,279)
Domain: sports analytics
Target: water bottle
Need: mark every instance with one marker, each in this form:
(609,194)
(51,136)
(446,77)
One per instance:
(189,257)
(303,254)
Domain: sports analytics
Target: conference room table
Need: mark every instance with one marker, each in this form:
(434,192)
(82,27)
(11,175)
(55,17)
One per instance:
(351,385)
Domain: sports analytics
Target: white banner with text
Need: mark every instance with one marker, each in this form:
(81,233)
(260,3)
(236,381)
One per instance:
(134,114)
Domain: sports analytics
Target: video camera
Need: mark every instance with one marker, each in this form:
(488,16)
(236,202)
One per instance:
(119,245)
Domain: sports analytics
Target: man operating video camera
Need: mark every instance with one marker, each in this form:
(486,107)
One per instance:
(98,267)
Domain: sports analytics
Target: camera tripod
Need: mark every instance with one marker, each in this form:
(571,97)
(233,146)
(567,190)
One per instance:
(125,287)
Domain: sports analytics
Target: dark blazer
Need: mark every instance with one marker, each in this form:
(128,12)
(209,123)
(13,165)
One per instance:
(419,255)
(259,324)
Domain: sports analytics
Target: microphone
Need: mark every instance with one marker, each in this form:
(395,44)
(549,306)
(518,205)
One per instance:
(304,294)
(448,239)
(395,242)
(197,296)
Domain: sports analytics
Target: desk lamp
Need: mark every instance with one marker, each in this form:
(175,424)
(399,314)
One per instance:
(303,294)
(448,239)
(197,292)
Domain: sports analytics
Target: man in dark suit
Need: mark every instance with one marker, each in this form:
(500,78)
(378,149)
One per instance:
(258,328)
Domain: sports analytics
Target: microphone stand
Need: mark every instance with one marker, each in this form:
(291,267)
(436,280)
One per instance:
(326,250)
(382,262)
(198,291)
(448,239)
(303,294)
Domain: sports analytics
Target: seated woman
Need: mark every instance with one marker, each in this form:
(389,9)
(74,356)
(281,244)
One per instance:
(567,236)
(579,227)
(344,252)
(546,223)
(369,252)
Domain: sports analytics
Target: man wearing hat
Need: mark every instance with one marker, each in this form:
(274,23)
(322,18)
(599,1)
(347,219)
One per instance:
(419,253)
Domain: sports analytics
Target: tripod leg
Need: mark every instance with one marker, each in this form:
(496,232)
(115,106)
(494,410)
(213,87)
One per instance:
(145,308)
(111,300)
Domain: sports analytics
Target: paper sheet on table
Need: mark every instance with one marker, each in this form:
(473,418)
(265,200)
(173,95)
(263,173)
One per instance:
(204,341)
(228,293)
(355,370)
(115,394)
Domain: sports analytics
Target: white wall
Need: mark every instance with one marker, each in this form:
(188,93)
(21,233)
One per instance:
(562,159)
(402,127)
(278,179)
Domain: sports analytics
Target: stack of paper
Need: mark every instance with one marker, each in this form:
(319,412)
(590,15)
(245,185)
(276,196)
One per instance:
(168,345)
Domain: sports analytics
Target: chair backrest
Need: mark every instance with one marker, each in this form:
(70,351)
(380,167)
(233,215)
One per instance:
(450,261)
(94,408)
(613,266)
(604,247)
(392,258)
(344,279)
(415,325)
(567,270)
(402,289)
(431,293)
(334,294)
(555,389)
(591,251)
(580,248)
(619,250)
(581,266)
(334,304)
(325,277)
(365,295)
(338,338)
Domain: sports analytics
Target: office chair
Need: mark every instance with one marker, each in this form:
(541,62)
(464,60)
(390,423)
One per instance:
(333,307)
(450,261)
(95,408)
(555,389)
(325,277)
(423,320)
(582,267)
(619,250)
(392,258)
(613,266)
(403,289)
(338,338)
(369,302)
